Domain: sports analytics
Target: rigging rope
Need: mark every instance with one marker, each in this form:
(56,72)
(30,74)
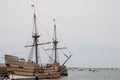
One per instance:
(64,54)
(30,57)
(44,29)
(47,54)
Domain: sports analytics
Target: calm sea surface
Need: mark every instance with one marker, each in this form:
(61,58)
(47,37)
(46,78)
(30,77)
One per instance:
(89,75)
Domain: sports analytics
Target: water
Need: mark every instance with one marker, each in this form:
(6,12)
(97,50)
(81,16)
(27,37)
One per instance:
(89,75)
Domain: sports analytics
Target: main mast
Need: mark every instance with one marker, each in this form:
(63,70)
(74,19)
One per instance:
(35,43)
(35,36)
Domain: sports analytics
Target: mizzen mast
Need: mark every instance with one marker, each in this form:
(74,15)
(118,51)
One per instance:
(55,42)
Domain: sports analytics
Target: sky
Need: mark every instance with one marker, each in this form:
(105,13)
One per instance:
(90,29)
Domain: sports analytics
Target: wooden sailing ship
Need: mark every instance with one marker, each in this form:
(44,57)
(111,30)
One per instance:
(18,66)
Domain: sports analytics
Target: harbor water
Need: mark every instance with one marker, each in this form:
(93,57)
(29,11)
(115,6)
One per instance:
(76,74)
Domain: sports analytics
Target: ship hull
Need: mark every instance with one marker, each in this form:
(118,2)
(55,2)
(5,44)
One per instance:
(16,67)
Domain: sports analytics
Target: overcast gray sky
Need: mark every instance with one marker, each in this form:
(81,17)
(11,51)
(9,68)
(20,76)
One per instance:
(89,28)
